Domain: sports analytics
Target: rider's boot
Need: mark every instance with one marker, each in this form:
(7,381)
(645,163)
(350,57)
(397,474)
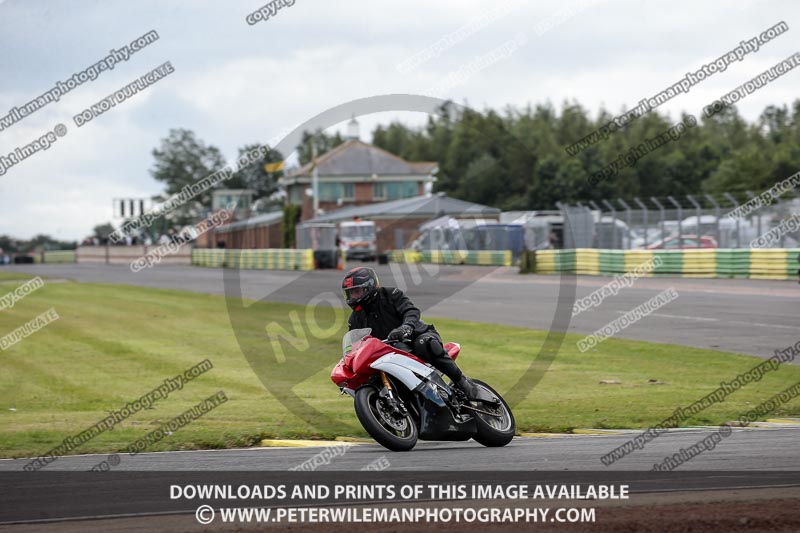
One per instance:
(472,390)
(431,346)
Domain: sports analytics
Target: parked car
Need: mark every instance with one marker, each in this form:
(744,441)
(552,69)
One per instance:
(686,241)
(638,236)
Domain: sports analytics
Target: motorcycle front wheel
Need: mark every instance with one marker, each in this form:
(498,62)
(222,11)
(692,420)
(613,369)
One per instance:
(396,434)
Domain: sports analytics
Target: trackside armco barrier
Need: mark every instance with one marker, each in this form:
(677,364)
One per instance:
(59,256)
(123,255)
(771,263)
(453,257)
(55,256)
(267,259)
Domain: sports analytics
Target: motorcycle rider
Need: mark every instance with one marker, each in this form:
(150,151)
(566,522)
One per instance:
(392,315)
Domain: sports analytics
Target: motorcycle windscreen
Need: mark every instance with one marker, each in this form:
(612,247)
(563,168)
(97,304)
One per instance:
(352,337)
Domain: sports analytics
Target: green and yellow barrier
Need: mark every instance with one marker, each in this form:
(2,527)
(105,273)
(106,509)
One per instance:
(733,263)
(587,261)
(778,263)
(259,259)
(453,257)
(633,259)
(667,262)
(612,261)
(701,263)
(547,261)
(404,256)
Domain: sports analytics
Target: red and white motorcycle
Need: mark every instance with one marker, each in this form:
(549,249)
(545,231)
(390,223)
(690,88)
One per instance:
(399,398)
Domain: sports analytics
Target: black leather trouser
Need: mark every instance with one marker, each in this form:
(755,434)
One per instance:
(429,347)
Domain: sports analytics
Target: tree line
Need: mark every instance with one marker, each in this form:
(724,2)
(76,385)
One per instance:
(517,158)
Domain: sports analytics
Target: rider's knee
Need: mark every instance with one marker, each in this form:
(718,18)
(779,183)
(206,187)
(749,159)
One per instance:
(429,344)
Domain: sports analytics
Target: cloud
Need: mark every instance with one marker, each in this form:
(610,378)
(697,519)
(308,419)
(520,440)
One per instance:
(236,84)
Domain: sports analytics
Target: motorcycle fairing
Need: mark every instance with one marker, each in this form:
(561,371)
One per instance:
(436,419)
(407,370)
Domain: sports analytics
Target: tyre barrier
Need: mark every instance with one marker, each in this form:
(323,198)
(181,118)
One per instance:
(258,259)
(404,256)
(453,257)
(773,263)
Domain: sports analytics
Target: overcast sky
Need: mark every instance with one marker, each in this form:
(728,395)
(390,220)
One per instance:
(236,83)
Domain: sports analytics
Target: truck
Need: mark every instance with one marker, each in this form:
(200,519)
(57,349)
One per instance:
(357,240)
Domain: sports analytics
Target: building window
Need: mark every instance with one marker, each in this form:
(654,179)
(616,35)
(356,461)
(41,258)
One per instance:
(331,192)
(394,190)
(328,192)
(296,194)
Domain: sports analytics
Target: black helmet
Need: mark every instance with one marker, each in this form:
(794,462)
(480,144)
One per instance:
(360,286)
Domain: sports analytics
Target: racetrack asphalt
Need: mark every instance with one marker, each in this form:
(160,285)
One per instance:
(756,449)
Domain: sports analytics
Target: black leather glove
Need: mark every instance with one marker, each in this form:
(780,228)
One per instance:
(401,333)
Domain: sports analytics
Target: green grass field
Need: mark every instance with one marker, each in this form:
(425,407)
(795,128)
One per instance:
(112,344)
(13,276)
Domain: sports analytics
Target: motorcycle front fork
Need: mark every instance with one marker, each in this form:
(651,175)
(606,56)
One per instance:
(395,403)
(386,382)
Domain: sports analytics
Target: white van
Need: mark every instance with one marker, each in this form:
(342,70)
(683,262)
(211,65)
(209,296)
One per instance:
(357,240)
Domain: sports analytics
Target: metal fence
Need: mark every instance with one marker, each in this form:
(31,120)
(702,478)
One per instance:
(675,222)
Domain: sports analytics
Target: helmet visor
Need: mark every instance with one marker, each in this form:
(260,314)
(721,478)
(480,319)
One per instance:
(354,293)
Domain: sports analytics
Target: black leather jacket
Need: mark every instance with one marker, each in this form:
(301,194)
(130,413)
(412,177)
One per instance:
(390,309)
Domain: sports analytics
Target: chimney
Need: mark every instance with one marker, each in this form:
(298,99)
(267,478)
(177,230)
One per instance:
(352,129)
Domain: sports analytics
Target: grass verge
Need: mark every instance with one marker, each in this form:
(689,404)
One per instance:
(114,343)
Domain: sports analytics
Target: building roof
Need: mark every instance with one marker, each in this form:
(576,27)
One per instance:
(418,206)
(267,219)
(357,158)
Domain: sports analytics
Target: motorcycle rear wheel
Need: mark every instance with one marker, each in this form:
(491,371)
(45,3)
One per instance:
(395,435)
(494,431)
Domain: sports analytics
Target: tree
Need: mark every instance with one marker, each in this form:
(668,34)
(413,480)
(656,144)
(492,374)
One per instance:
(255,175)
(325,143)
(523,152)
(9,245)
(102,231)
(482,180)
(395,138)
(46,242)
(291,216)
(183,160)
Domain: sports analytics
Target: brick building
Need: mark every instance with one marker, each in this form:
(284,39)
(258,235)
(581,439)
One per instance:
(261,231)
(356,173)
(359,180)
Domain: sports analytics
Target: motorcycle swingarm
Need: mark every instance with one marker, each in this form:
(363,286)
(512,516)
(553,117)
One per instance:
(475,410)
